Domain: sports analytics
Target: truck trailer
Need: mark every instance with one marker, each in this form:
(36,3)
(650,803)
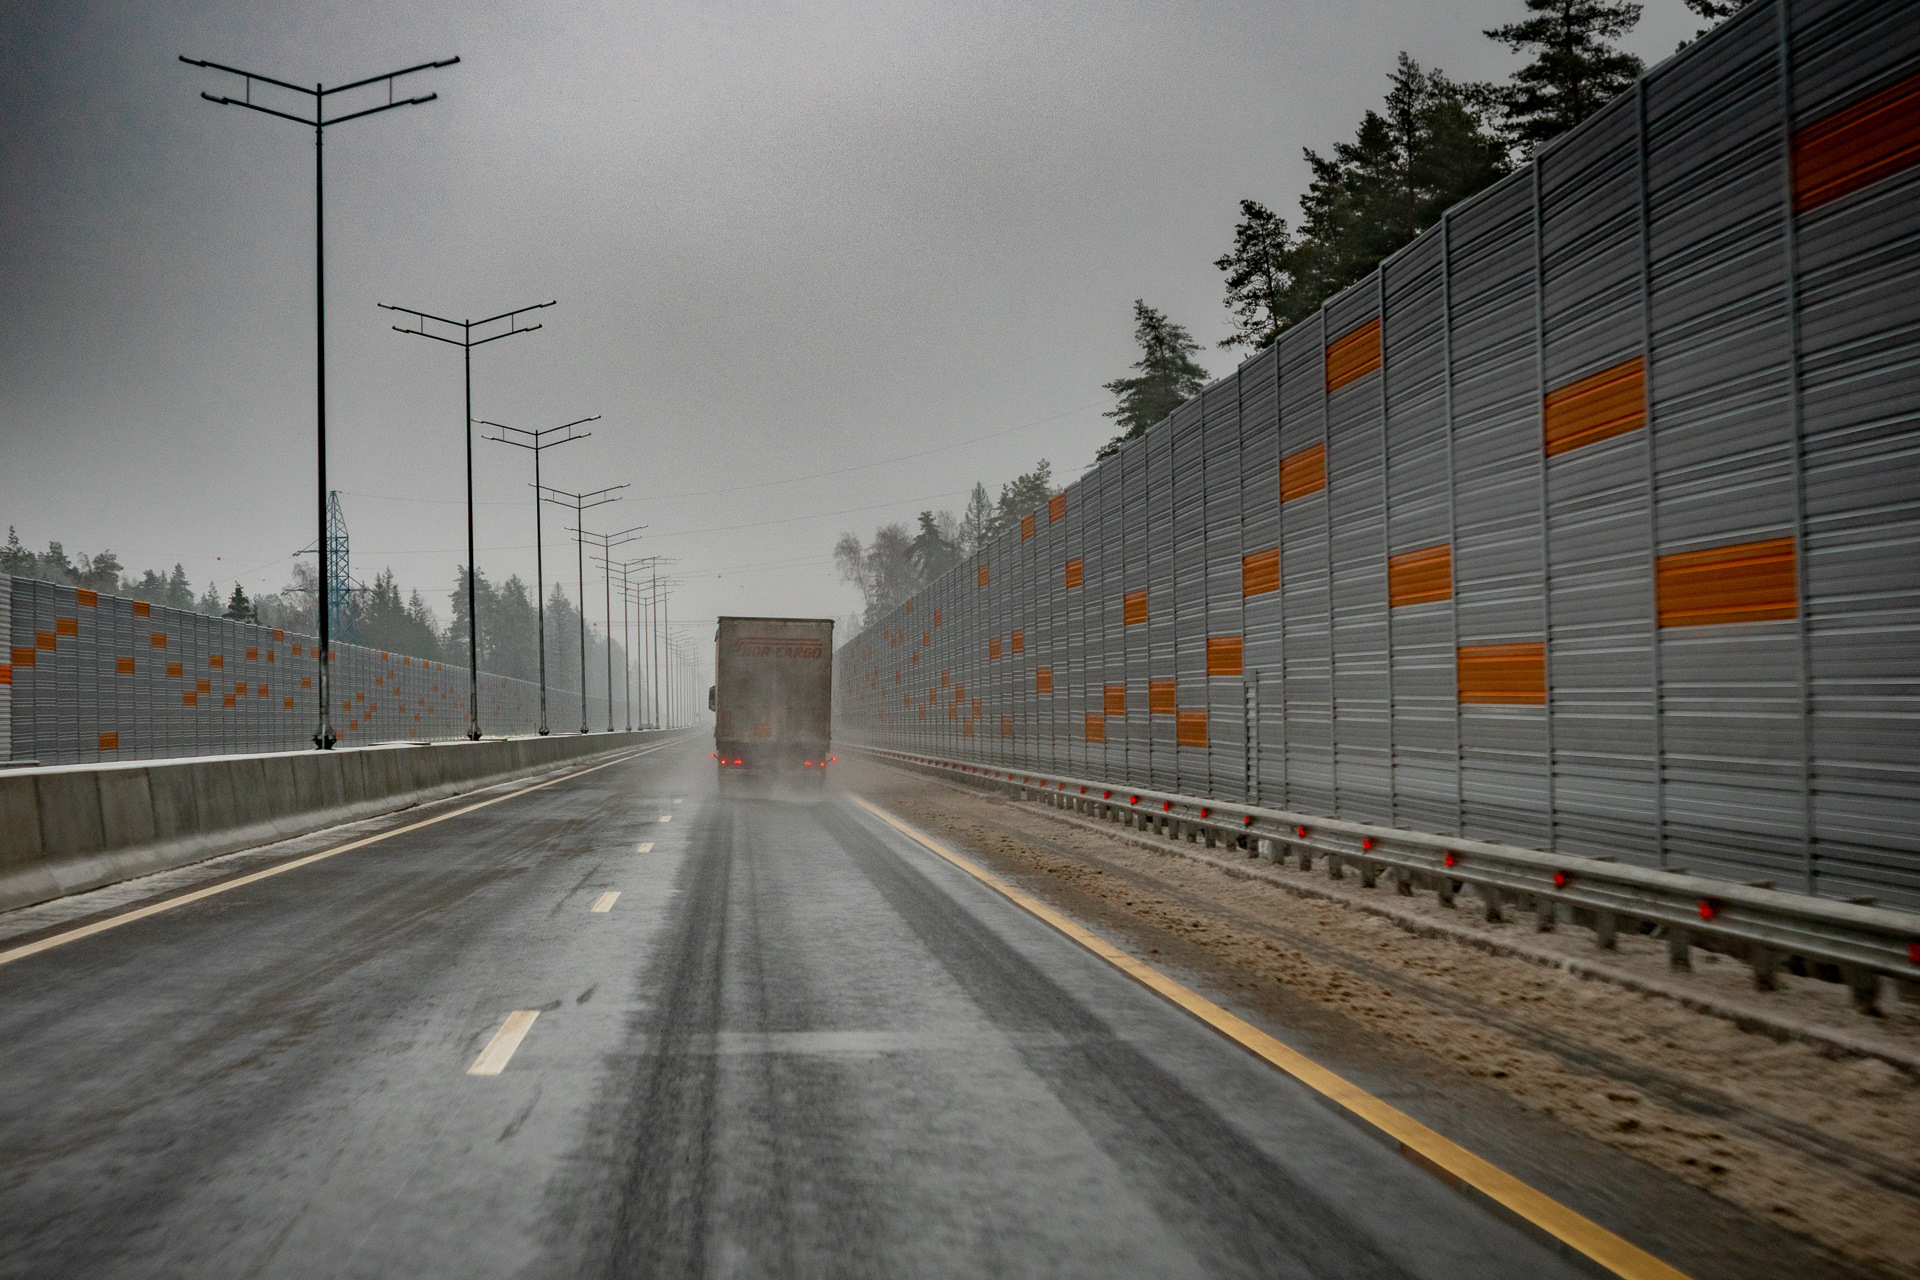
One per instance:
(772,700)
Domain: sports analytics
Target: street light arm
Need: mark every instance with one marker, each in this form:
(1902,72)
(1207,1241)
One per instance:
(391,75)
(481,342)
(422,333)
(217,66)
(413,311)
(254,106)
(374,111)
(516,311)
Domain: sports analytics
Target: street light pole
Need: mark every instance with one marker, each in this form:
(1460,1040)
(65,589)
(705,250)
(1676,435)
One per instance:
(579,503)
(607,542)
(536,441)
(467,342)
(323,736)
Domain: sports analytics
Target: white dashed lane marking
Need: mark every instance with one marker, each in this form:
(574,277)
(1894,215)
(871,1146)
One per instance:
(645,846)
(606,900)
(494,1058)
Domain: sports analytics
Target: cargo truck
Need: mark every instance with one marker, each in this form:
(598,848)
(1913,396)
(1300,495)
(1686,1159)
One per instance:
(772,700)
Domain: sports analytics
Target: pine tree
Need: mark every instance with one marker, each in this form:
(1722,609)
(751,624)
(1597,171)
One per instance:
(1168,376)
(1259,271)
(931,551)
(16,559)
(977,524)
(1429,148)
(239,608)
(209,602)
(1023,495)
(101,572)
(1576,69)
(1715,12)
(179,589)
(55,567)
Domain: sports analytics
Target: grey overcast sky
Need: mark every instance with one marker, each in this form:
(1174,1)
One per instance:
(788,241)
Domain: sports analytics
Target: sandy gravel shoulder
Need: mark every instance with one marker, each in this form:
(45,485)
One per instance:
(1823,1143)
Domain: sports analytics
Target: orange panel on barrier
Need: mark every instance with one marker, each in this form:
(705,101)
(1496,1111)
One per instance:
(1353,355)
(1056,507)
(1019,641)
(87,599)
(1304,473)
(1599,407)
(1133,608)
(1858,146)
(1114,699)
(1190,729)
(1075,574)
(142,609)
(1043,680)
(1096,727)
(983,575)
(1420,577)
(1260,572)
(123,666)
(66,626)
(1514,674)
(1160,697)
(1026,527)
(1224,656)
(1746,582)
(109,742)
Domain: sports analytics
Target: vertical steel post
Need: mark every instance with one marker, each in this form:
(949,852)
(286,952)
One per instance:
(1655,676)
(540,591)
(1540,443)
(1453,513)
(580,555)
(473,571)
(1790,228)
(607,575)
(323,735)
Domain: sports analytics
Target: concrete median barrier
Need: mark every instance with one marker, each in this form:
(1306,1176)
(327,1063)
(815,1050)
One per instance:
(76,827)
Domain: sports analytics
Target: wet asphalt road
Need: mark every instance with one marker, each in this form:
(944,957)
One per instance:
(797,1044)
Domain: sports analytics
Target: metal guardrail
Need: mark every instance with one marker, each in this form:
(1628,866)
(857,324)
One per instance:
(1766,928)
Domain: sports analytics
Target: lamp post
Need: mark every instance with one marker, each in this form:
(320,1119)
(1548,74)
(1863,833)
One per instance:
(626,630)
(467,342)
(579,503)
(323,737)
(607,542)
(536,441)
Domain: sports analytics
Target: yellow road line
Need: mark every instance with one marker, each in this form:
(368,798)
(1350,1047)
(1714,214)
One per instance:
(645,846)
(493,1059)
(1450,1161)
(51,941)
(605,901)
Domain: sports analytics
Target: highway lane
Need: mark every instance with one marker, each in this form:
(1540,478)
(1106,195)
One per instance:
(796,1043)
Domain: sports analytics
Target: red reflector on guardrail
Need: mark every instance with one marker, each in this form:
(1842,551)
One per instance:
(1301,832)
(1560,879)
(1708,910)
(1913,953)
(1367,842)
(1166,806)
(1450,858)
